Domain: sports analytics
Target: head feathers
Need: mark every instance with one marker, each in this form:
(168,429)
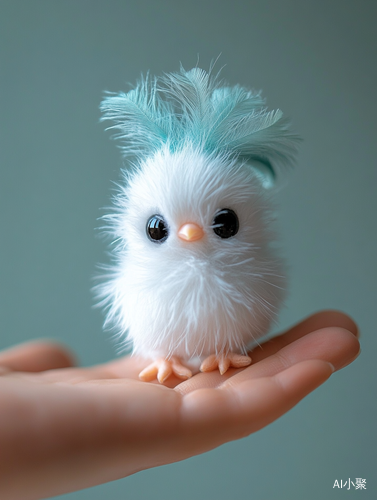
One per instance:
(193,107)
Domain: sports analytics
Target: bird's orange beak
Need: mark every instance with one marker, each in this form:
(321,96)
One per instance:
(190,232)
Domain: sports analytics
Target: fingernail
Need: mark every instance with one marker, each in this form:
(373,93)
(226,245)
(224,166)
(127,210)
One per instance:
(331,366)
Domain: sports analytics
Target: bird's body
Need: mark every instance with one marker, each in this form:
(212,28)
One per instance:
(195,275)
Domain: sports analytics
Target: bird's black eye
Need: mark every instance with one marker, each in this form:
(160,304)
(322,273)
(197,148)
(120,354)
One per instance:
(157,229)
(225,223)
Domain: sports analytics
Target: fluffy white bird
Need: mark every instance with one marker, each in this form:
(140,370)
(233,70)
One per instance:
(195,279)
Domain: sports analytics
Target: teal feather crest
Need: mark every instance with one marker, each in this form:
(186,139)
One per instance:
(193,106)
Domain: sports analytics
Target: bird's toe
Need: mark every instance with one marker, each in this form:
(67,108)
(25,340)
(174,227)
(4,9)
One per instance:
(163,368)
(224,361)
(149,373)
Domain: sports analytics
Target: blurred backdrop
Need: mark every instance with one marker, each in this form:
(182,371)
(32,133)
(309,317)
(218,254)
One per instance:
(314,60)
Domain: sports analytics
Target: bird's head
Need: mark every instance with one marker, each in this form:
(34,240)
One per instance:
(188,204)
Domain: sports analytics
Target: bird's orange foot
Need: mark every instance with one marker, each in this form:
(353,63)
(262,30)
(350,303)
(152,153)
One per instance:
(163,368)
(224,361)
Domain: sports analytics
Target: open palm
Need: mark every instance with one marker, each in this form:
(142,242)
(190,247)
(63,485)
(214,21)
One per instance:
(64,428)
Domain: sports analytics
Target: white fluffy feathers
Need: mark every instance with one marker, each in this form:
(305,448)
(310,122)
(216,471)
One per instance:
(193,299)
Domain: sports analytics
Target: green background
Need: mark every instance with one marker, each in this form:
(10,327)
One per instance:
(314,60)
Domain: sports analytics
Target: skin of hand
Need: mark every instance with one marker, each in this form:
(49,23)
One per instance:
(64,428)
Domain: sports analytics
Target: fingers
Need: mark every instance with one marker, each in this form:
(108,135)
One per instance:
(334,345)
(35,356)
(317,321)
(233,412)
(271,397)
(324,319)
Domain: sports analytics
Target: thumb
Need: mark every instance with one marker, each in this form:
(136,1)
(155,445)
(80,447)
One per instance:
(36,356)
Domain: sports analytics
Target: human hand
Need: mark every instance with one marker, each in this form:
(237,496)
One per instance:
(64,428)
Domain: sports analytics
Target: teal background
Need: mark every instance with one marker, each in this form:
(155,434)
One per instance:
(314,60)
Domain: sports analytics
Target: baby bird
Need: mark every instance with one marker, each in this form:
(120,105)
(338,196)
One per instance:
(195,278)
